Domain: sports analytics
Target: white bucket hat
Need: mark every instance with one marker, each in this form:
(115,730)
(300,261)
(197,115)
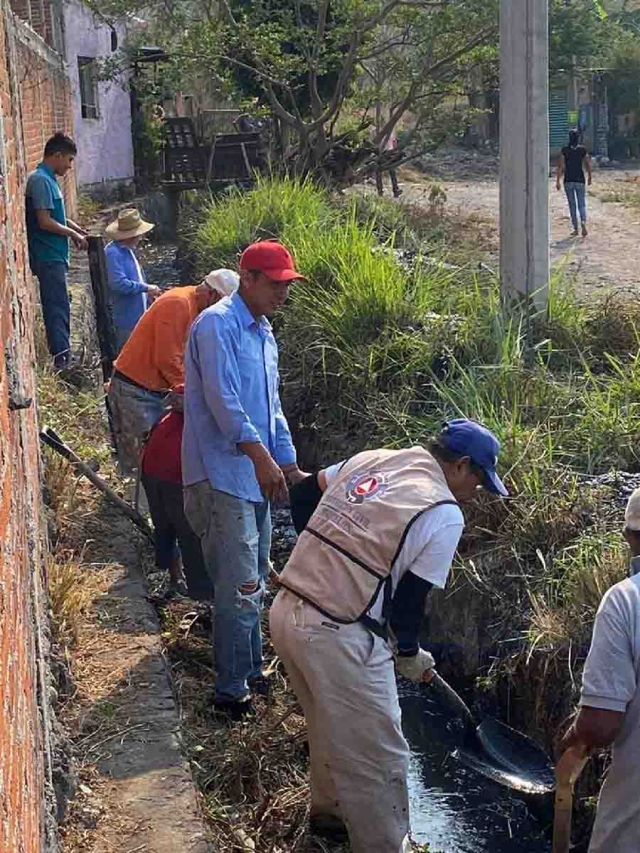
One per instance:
(128,224)
(226,282)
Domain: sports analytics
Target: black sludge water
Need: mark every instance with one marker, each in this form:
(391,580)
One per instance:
(454,808)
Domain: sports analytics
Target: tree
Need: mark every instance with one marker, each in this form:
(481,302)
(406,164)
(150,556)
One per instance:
(304,59)
(577,33)
(427,57)
(310,62)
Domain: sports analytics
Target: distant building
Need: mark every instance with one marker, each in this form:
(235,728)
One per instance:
(101,110)
(592,114)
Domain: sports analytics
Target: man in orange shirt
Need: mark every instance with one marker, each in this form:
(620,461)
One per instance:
(152,361)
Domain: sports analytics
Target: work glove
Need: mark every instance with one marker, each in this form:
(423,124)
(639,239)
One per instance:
(415,666)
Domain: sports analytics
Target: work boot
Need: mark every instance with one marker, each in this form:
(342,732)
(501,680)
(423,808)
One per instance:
(329,826)
(232,710)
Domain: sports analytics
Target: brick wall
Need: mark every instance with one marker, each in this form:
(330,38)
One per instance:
(46,102)
(34,102)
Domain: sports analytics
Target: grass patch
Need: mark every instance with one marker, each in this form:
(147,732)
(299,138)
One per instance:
(625,192)
(630,198)
(69,596)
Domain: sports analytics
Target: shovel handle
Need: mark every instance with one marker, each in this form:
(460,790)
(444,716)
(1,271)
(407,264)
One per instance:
(568,769)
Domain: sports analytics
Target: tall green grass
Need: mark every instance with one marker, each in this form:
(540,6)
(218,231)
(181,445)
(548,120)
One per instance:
(374,353)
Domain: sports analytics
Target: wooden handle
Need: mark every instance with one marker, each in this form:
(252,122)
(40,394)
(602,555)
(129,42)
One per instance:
(568,769)
(50,437)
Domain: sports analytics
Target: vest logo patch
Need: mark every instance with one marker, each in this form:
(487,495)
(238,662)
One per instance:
(365,487)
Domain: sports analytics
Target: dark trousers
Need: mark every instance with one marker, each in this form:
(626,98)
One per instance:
(171,529)
(54,297)
(394,182)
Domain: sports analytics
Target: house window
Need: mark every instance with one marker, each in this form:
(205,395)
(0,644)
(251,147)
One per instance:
(88,74)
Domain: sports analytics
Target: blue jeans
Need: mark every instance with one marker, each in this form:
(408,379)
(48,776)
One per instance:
(577,198)
(54,297)
(236,539)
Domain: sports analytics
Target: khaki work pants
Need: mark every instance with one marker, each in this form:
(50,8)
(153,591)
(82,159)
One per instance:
(344,679)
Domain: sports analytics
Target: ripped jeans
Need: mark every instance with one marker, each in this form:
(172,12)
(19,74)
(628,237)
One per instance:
(236,539)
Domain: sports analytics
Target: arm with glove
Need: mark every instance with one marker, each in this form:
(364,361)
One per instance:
(435,539)
(407,611)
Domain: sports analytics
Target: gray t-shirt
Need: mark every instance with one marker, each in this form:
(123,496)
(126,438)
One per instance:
(610,682)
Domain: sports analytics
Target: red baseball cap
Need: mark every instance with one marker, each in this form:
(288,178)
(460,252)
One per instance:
(272,259)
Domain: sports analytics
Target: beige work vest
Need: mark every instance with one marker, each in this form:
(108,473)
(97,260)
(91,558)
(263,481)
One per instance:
(344,558)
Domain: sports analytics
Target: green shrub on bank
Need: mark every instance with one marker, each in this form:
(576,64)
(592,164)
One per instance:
(375,353)
(367,341)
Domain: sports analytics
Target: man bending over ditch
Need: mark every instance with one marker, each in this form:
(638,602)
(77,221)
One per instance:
(384,532)
(610,703)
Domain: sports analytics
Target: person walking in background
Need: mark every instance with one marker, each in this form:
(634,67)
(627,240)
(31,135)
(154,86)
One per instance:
(152,362)
(610,703)
(236,452)
(129,290)
(572,163)
(391,144)
(48,234)
(177,547)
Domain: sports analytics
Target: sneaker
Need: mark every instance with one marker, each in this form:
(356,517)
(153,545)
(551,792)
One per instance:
(585,233)
(329,826)
(232,710)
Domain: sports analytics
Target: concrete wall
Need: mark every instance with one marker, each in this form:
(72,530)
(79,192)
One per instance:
(105,147)
(34,102)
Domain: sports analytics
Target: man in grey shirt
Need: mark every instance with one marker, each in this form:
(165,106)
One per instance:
(610,703)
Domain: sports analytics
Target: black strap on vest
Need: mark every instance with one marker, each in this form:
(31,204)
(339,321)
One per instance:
(375,627)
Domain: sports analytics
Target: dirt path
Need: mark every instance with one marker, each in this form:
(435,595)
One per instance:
(608,258)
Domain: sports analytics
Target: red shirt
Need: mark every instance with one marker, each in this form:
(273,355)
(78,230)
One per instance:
(161,455)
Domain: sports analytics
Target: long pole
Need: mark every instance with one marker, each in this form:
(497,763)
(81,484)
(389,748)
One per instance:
(102,302)
(524,153)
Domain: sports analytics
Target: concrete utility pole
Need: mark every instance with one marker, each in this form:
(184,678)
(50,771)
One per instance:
(524,151)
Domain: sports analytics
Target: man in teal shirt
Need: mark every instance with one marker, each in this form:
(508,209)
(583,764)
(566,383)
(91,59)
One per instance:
(48,233)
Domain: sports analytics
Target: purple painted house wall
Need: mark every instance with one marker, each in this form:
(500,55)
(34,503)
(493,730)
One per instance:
(105,147)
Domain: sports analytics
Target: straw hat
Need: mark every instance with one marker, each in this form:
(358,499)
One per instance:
(128,224)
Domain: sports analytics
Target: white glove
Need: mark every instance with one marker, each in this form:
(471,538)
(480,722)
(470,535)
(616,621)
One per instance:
(414,667)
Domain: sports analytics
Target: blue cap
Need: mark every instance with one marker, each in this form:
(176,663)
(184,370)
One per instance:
(474,440)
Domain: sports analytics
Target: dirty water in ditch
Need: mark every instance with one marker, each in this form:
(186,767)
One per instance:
(454,808)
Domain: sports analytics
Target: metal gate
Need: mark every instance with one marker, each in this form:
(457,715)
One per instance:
(558,118)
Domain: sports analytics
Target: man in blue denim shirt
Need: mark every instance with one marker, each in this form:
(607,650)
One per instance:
(236,452)
(48,234)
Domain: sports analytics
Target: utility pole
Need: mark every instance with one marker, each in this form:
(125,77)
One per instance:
(524,152)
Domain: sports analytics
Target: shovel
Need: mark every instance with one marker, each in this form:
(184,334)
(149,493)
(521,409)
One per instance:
(495,749)
(568,770)
(51,438)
